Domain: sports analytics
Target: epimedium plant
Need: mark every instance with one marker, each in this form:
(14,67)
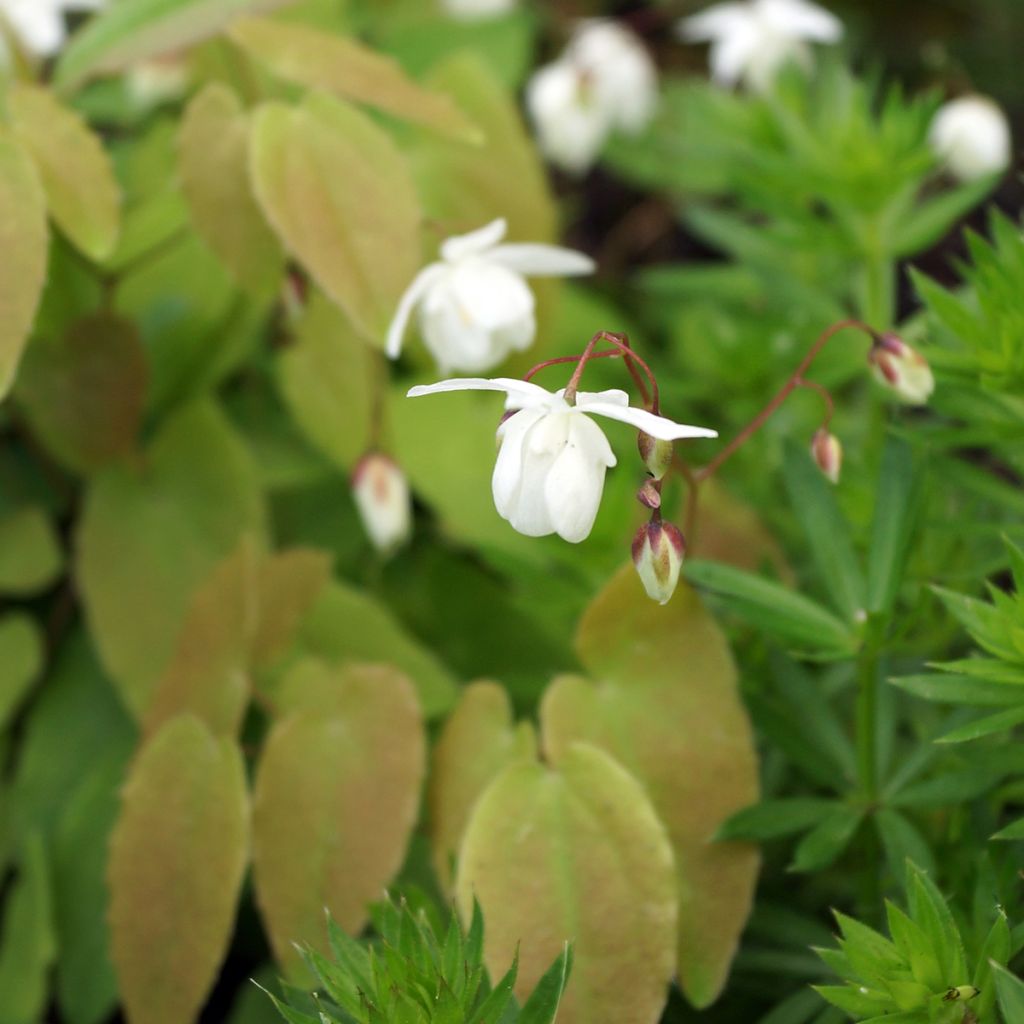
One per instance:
(235,653)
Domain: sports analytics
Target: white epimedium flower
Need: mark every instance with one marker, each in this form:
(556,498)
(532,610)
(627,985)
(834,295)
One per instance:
(39,24)
(604,81)
(972,137)
(752,39)
(475,307)
(477,10)
(550,470)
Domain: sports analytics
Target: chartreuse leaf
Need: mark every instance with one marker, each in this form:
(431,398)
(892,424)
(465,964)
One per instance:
(177,857)
(339,195)
(598,864)
(24,240)
(1010,993)
(339,64)
(149,536)
(478,740)
(828,839)
(543,1003)
(335,802)
(21,657)
(76,174)
(773,818)
(30,554)
(125,34)
(1013,831)
(83,391)
(327,377)
(995,953)
(213,160)
(930,910)
(28,946)
(664,702)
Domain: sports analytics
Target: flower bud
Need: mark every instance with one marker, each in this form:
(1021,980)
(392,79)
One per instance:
(649,496)
(382,499)
(972,137)
(902,369)
(658,552)
(827,453)
(657,455)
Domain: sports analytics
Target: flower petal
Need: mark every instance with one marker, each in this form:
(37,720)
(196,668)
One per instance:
(538,260)
(541,446)
(657,426)
(508,469)
(458,247)
(715,23)
(575,481)
(613,396)
(801,19)
(421,284)
(532,395)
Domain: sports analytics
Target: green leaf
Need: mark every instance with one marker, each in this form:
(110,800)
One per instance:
(902,842)
(177,857)
(824,843)
(828,533)
(342,65)
(1013,831)
(896,510)
(24,238)
(357,759)
(21,657)
(83,391)
(994,950)
(958,689)
(127,33)
(664,703)
(599,865)
(771,819)
(30,554)
(929,909)
(926,223)
(541,1006)
(773,607)
(1010,993)
(213,161)
(82,193)
(999,722)
(339,195)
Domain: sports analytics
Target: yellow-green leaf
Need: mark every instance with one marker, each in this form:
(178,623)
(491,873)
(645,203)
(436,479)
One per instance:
(213,159)
(177,858)
(340,64)
(575,853)
(338,193)
(327,378)
(23,241)
(664,701)
(335,802)
(149,535)
(30,554)
(77,176)
(84,391)
(479,739)
(21,657)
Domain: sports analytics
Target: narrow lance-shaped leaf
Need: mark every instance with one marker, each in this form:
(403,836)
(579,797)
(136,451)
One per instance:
(21,657)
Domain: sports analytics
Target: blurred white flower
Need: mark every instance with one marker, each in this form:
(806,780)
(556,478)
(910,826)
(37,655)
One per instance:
(972,136)
(158,80)
(475,306)
(604,81)
(39,24)
(827,452)
(551,465)
(382,499)
(471,10)
(658,553)
(752,39)
(901,369)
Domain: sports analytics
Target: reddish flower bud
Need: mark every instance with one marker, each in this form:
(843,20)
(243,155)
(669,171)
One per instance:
(657,454)
(902,369)
(649,496)
(827,453)
(658,552)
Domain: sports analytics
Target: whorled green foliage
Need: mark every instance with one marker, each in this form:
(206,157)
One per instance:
(575,853)
(664,702)
(177,857)
(336,797)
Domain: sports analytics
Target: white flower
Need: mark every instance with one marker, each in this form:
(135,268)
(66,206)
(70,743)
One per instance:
(550,470)
(902,369)
(471,10)
(752,39)
(604,81)
(475,306)
(972,136)
(39,24)
(381,494)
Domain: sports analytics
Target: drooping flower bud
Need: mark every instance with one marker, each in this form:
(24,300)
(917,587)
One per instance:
(902,369)
(658,552)
(972,137)
(381,494)
(657,454)
(649,495)
(827,453)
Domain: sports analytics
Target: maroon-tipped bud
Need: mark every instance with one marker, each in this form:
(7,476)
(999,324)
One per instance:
(902,369)
(827,453)
(656,454)
(381,494)
(649,496)
(658,552)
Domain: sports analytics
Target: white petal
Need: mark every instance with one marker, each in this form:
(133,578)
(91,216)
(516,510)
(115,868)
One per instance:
(527,393)
(571,128)
(538,260)
(421,284)
(490,295)
(508,469)
(575,481)
(542,445)
(613,397)
(39,26)
(716,22)
(802,20)
(457,343)
(733,56)
(657,426)
(458,247)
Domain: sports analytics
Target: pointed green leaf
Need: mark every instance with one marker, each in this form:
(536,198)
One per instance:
(1010,993)
(824,843)
(21,657)
(30,554)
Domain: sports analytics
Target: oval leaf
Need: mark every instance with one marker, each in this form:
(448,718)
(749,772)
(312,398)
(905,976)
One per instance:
(21,657)
(177,857)
(665,703)
(81,191)
(335,802)
(30,554)
(337,192)
(575,854)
